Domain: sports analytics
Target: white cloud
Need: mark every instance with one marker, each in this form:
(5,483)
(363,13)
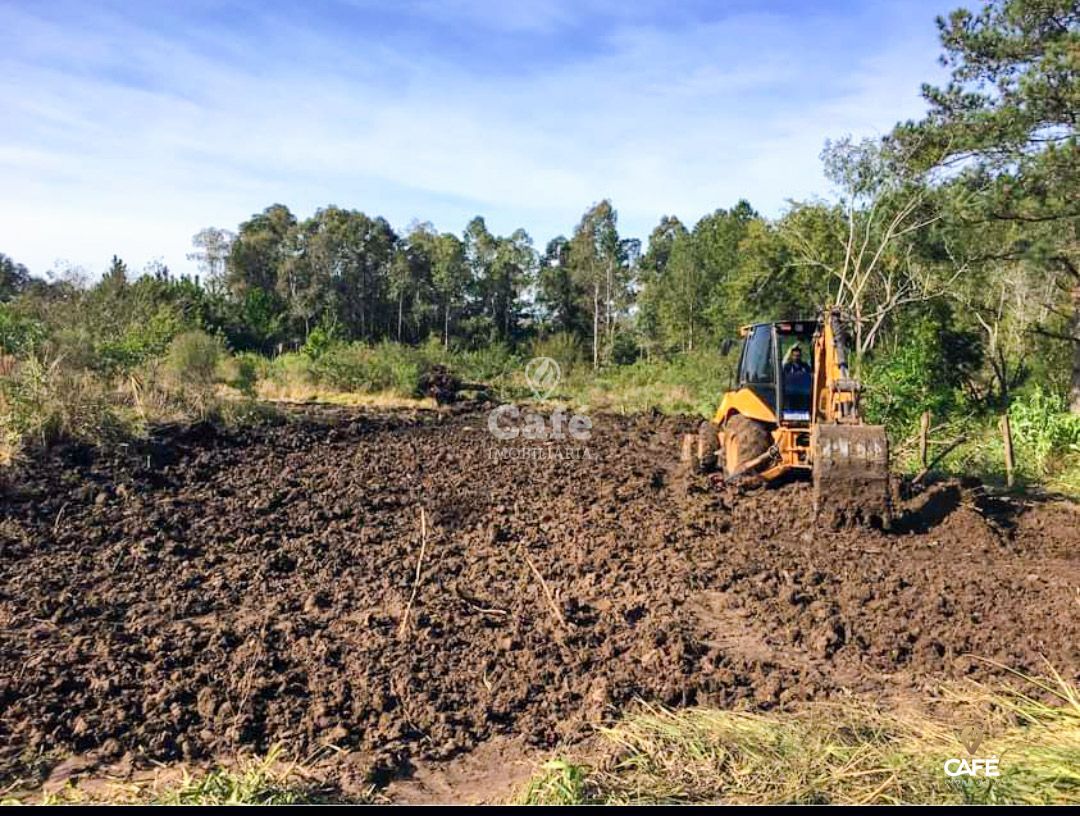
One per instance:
(119,139)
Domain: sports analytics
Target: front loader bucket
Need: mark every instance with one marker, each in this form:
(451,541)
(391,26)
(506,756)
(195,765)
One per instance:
(851,474)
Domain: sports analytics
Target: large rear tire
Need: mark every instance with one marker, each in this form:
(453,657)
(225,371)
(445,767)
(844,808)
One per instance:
(708,444)
(744,439)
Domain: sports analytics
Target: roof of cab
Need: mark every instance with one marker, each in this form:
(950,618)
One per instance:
(794,326)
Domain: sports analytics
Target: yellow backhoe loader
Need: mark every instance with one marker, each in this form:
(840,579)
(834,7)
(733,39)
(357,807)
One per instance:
(795,408)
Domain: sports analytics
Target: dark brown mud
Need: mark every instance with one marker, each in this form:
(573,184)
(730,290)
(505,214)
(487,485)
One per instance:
(223,592)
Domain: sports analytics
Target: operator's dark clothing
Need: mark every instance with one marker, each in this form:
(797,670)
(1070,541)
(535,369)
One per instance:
(796,378)
(796,385)
(794,369)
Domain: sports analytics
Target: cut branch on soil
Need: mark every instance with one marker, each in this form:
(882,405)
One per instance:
(477,605)
(59,516)
(547,590)
(419,569)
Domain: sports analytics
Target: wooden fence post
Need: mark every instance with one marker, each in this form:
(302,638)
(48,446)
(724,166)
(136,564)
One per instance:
(924,433)
(1006,435)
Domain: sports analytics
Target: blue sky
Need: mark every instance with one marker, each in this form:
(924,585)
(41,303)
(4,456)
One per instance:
(129,126)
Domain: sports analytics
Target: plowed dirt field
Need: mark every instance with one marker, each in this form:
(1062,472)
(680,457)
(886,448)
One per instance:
(216,592)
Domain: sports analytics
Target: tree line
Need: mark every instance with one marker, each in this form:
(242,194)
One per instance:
(957,232)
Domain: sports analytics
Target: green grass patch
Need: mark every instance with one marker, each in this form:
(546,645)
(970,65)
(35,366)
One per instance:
(261,782)
(250,781)
(849,753)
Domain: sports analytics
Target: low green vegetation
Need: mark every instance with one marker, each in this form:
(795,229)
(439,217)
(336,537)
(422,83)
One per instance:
(682,383)
(382,368)
(250,781)
(47,395)
(951,244)
(258,782)
(849,753)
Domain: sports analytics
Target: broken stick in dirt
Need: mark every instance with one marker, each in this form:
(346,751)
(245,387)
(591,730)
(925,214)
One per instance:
(419,569)
(547,590)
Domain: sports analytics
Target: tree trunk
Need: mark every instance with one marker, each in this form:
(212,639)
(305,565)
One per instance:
(610,303)
(596,326)
(400,304)
(857,311)
(1074,331)
(446,325)
(690,329)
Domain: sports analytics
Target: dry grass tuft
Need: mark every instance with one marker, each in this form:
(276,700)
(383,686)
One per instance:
(832,753)
(248,781)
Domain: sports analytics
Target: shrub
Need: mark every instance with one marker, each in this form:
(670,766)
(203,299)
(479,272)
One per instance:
(1043,429)
(193,357)
(140,341)
(562,347)
(319,340)
(432,352)
(241,372)
(488,364)
(625,349)
(19,334)
(75,345)
(691,382)
(924,372)
(357,367)
(43,401)
(292,369)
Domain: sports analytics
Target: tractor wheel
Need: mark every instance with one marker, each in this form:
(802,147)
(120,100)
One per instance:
(744,439)
(707,446)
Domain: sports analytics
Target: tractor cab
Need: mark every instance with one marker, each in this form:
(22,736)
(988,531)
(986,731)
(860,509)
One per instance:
(777,366)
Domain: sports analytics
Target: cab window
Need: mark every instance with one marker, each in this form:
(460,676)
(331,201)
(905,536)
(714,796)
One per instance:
(757,364)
